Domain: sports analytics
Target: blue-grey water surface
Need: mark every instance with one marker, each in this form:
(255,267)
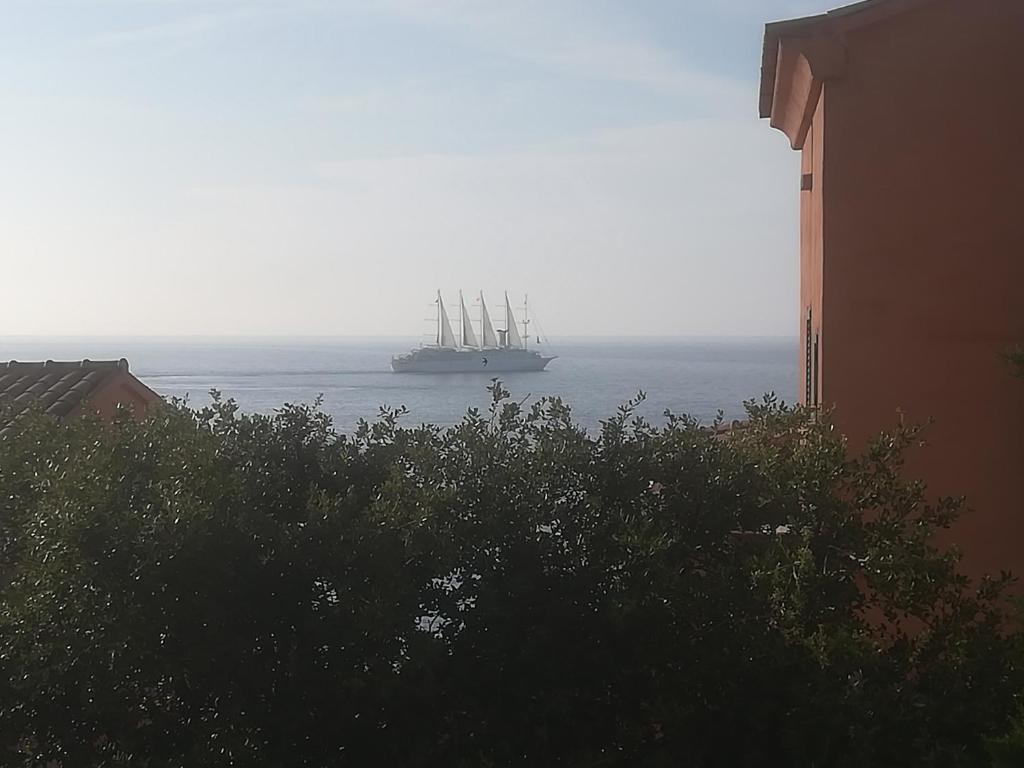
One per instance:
(694,376)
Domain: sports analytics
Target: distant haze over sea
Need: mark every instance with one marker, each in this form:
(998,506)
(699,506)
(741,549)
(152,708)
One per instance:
(697,376)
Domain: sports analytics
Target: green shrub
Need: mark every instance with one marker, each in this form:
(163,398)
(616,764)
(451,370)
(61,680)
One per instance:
(1008,751)
(1015,358)
(212,588)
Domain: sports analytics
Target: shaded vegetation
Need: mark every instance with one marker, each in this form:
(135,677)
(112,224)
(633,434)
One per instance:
(212,588)
(1015,358)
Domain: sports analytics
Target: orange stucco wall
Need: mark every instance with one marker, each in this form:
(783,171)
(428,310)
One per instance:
(920,277)
(811,260)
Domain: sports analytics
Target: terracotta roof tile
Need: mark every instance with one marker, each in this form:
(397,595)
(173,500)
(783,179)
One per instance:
(57,388)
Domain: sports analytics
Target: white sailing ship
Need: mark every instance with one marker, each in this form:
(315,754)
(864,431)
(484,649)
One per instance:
(497,351)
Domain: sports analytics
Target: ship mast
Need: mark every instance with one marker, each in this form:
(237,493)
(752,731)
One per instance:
(468,336)
(526,321)
(445,335)
(438,302)
(489,338)
(513,340)
(462,319)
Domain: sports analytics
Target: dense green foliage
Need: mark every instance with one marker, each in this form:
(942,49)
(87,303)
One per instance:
(1015,358)
(210,589)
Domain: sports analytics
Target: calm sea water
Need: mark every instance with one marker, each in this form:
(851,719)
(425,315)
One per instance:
(694,376)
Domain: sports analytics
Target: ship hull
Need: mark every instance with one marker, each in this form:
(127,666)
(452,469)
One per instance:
(434,360)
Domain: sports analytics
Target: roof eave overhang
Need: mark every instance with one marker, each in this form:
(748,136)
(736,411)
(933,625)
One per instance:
(800,55)
(774,33)
(795,68)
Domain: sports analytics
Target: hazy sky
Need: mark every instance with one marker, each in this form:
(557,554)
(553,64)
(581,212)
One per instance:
(302,167)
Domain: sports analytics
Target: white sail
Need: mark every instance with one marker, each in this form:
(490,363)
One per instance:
(468,336)
(490,338)
(506,350)
(445,335)
(513,338)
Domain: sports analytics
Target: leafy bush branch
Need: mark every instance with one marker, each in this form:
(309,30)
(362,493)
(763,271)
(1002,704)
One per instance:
(217,588)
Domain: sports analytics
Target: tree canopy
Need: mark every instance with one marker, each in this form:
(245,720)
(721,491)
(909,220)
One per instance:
(215,588)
